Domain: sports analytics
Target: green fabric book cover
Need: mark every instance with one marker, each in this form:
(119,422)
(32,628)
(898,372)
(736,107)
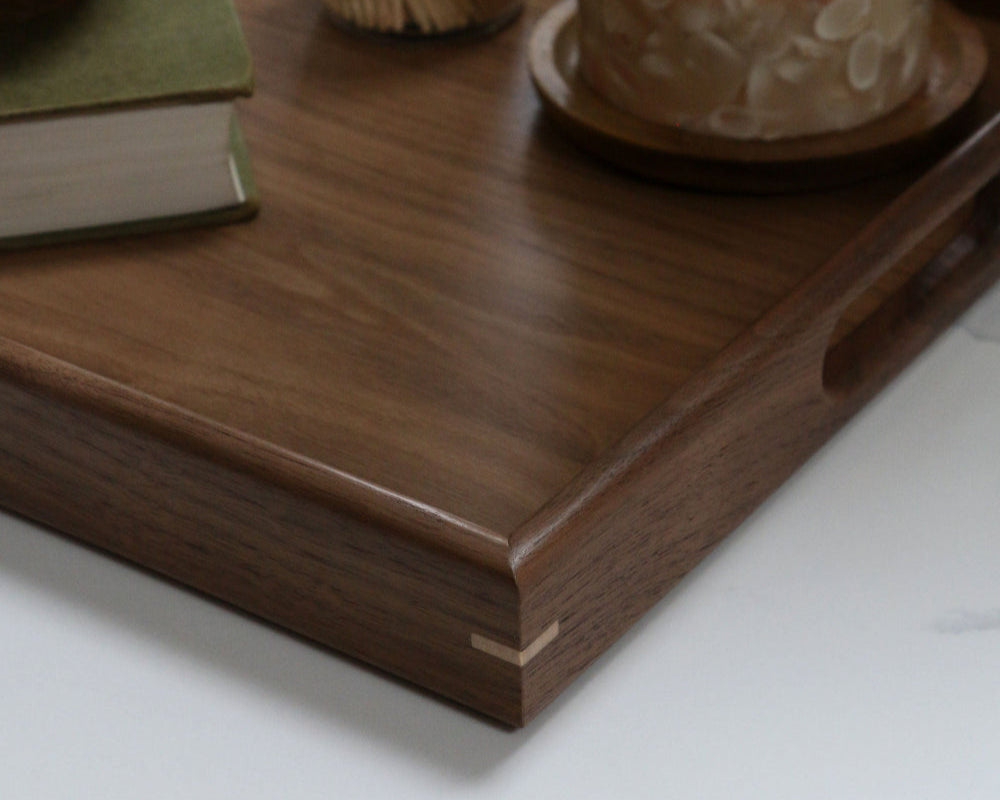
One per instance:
(107,56)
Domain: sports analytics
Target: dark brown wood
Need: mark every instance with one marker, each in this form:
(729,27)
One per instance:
(461,402)
(925,124)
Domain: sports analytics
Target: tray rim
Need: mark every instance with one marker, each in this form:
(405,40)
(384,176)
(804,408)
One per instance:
(244,452)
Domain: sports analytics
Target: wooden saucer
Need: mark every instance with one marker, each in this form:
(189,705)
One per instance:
(925,124)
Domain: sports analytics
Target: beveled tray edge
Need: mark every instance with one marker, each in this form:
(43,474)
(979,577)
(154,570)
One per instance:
(243,452)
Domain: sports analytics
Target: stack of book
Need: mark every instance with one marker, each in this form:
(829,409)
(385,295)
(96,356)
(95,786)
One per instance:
(119,116)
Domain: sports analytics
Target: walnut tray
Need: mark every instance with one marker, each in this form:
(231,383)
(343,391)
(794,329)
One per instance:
(463,402)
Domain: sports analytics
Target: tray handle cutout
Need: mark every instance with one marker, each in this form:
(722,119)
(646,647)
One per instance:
(932,252)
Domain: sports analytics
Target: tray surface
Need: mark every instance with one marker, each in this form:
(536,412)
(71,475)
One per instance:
(440,296)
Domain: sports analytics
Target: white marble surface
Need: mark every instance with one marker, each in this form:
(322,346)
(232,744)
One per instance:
(844,643)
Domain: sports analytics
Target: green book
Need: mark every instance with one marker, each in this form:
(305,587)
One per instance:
(118,116)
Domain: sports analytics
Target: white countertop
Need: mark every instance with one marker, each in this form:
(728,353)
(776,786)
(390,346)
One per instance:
(843,643)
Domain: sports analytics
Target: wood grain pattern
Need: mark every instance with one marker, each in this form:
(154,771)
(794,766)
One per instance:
(458,379)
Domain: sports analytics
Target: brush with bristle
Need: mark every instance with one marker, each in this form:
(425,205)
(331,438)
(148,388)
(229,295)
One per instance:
(421,17)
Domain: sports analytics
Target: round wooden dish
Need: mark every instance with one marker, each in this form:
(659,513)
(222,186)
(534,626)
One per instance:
(929,121)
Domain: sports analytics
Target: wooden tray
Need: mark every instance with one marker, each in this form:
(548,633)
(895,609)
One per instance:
(462,402)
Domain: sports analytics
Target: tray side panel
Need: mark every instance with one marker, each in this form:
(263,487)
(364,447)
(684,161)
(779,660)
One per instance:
(703,463)
(321,573)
